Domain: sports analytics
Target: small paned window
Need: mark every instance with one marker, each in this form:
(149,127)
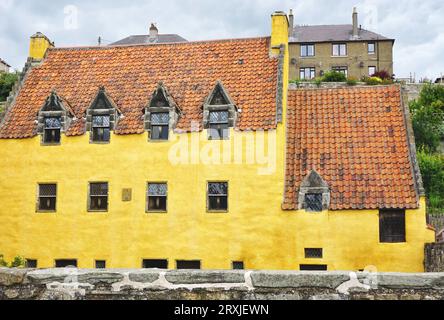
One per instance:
(155,264)
(313,202)
(98,193)
(160,126)
(101,129)
(371,71)
(218,196)
(313,253)
(392,226)
(31,264)
(313,267)
(157,197)
(343,70)
(188,265)
(238,265)
(47,197)
(52,130)
(66,263)
(100,264)
(371,47)
(219,128)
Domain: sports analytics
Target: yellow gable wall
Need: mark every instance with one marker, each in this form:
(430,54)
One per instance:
(255,230)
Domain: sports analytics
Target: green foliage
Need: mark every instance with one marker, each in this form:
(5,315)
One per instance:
(352,82)
(318,82)
(428,118)
(432,169)
(334,76)
(18,262)
(296,82)
(7,81)
(373,81)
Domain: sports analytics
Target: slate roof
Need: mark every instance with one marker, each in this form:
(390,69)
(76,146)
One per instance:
(356,139)
(145,39)
(332,33)
(130,74)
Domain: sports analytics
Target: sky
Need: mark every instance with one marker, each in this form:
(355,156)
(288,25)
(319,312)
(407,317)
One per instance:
(417,25)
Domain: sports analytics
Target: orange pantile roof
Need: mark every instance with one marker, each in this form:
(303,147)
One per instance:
(357,140)
(130,74)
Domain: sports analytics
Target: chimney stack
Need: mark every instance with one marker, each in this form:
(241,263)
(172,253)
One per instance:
(291,21)
(38,45)
(154,33)
(355,24)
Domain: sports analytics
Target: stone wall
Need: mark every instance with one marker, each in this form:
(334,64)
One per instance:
(74,284)
(434,257)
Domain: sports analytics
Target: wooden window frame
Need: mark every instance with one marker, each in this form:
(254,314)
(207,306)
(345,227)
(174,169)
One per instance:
(38,210)
(384,216)
(226,130)
(90,197)
(167,125)
(198,261)
(147,198)
(339,49)
(227,196)
(306,45)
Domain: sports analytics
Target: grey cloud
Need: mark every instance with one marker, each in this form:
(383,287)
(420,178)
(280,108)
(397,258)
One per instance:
(417,25)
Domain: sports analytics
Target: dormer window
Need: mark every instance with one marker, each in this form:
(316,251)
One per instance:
(160,126)
(102,117)
(52,131)
(101,130)
(220,113)
(219,128)
(54,118)
(161,114)
(314,194)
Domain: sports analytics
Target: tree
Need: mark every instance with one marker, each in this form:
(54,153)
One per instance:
(7,81)
(428,117)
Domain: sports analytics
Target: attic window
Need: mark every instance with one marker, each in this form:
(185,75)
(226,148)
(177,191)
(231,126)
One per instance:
(161,114)
(101,118)
(53,118)
(219,128)
(101,130)
(314,193)
(220,113)
(160,126)
(313,202)
(52,130)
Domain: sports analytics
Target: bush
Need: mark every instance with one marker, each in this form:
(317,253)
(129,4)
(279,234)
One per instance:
(428,118)
(7,81)
(18,262)
(432,169)
(373,81)
(318,82)
(383,75)
(352,81)
(334,76)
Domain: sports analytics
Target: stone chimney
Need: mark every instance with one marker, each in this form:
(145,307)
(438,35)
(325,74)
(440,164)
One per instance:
(154,33)
(355,24)
(291,21)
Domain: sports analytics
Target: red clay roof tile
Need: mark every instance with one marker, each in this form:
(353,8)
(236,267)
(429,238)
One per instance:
(131,73)
(356,139)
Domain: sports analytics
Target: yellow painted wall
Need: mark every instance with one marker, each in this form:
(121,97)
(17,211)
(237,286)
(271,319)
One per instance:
(255,230)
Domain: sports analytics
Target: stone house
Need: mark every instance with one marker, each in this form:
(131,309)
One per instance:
(198,155)
(4,67)
(347,48)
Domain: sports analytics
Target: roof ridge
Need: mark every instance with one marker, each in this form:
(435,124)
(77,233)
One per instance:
(158,44)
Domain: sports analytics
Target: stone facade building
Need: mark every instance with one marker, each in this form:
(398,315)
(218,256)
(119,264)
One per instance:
(350,49)
(198,155)
(152,38)
(4,67)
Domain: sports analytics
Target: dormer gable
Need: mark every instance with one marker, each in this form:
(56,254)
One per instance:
(102,117)
(54,118)
(219,112)
(314,193)
(161,114)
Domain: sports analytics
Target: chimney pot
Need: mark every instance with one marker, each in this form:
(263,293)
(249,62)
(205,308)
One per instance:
(355,24)
(154,32)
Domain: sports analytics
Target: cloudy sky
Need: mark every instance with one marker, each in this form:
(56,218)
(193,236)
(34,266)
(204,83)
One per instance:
(417,25)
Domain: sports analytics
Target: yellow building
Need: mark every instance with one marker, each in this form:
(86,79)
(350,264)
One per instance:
(189,155)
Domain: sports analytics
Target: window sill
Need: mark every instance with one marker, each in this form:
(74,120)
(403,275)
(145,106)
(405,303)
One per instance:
(98,211)
(158,140)
(101,143)
(217,211)
(50,144)
(156,212)
(339,56)
(307,57)
(46,212)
